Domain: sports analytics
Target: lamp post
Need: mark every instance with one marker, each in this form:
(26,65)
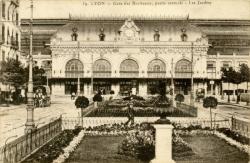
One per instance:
(78,74)
(172,82)
(30,125)
(192,78)
(92,75)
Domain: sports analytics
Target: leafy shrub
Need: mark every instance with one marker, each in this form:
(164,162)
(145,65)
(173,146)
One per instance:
(210,102)
(82,102)
(97,98)
(179,98)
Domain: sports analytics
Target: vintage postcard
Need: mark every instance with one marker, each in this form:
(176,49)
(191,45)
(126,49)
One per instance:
(109,81)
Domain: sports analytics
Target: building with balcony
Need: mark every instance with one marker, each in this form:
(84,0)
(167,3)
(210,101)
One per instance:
(10,33)
(121,52)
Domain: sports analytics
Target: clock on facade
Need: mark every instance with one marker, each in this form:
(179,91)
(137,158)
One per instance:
(129,32)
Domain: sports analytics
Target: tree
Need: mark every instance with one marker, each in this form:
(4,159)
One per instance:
(227,76)
(82,102)
(179,98)
(38,75)
(13,74)
(237,80)
(245,73)
(97,98)
(210,102)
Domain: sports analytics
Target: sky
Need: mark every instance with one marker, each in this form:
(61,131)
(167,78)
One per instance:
(196,9)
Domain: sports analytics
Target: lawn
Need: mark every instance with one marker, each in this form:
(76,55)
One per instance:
(207,149)
(211,149)
(99,149)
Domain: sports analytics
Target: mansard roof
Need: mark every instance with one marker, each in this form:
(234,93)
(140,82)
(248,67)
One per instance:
(73,17)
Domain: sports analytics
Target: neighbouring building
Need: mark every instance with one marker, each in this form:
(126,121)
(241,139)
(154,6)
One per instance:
(10,34)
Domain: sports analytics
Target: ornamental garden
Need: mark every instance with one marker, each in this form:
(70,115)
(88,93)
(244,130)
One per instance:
(130,141)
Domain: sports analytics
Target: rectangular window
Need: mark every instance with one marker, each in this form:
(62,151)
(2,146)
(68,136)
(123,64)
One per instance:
(226,64)
(3,34)
(3,10)
(17,17)
(211,67)
(17,40)
(3,55)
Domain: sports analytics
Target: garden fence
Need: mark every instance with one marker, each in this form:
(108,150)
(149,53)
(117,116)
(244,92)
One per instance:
(241,126)
(27,144)
(190,110)
(71,122)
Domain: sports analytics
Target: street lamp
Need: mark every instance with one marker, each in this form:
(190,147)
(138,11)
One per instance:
(172,82)
(30,125)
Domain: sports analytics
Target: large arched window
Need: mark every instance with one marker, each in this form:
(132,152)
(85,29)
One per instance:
(183,69)
(156,68)
(129,68)
(74,68)
(102,68)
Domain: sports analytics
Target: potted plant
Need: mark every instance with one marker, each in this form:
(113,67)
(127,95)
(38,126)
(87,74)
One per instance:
(97,98)
(210,102)
(82,102)
(179,98)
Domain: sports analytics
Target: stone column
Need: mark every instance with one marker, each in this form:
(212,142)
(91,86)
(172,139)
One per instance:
(142,88)
(115,88)
(163,144)
(85,87)
(216,90)
(205,87)
(78,86)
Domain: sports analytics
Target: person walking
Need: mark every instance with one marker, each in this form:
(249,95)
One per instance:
(130,113)
(73,95)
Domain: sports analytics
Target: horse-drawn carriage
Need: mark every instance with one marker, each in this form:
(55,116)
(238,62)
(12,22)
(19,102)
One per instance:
(42,96)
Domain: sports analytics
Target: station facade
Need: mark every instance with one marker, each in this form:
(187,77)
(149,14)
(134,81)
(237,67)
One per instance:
(143,54)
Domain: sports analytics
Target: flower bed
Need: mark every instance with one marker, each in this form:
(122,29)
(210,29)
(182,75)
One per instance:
(54,148)
(139,141)
(234,135)
(137,113)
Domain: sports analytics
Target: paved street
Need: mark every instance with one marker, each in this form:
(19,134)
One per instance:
(13,118)
(235,110)
(225,110)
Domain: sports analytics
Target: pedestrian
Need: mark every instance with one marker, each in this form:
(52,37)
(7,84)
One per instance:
(130,113)
(73,95)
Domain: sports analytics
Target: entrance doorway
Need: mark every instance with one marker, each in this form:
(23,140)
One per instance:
(103,86)
(71,86)
(156,87)
(182,86)
(127,85)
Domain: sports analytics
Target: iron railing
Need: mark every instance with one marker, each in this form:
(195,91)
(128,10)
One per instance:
(241,126)
(27,144)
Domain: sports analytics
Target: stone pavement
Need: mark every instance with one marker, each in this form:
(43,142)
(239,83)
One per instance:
(13,118)
(233,103)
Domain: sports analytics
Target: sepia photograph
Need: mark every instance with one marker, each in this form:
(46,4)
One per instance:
(124,81)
